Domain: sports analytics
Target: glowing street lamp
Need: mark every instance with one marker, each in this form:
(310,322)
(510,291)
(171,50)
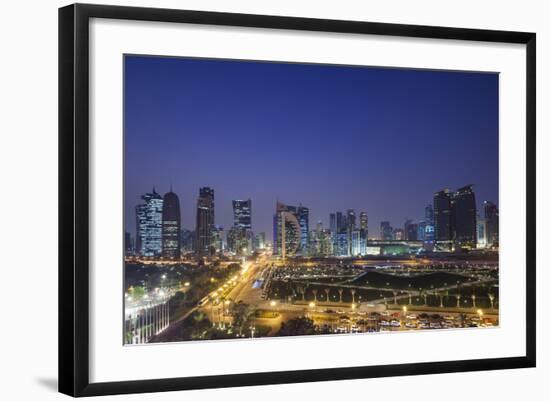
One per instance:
(273,303)
(480,314)
(312,304)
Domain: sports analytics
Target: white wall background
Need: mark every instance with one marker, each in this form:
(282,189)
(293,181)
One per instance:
(28,196)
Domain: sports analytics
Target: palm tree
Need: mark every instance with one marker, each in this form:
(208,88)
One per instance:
(353,295)
(458,301)
(395,297)
(492,299)
(340,292)
(315,294)
(302,292)
(327,290)
(474,300)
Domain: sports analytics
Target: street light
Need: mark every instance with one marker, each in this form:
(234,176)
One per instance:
(312,304)
(273,303)
(480,314)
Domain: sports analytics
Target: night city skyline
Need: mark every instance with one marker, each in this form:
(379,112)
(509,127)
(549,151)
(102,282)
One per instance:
(332,138)
(229,165)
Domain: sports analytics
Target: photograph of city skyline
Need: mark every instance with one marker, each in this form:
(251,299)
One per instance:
(270,199)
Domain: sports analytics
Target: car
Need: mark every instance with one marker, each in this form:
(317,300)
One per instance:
(424,326)
(341,330)
(449,317)
(395,323)
(411,325)
(384,323)
(385,313)
(412,316)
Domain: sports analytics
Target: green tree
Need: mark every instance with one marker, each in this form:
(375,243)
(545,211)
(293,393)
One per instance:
(243,316)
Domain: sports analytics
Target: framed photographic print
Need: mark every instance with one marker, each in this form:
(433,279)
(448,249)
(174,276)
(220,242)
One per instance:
(250,199)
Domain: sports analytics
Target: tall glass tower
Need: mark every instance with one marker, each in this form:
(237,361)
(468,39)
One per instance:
(205,220)
(287,231)
(242,214)
(171,226)
(241,233)
(491,223)
(464,218)
(442,217)
(149,225)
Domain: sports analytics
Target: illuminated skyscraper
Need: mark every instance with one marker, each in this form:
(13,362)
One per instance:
(339,234)
(242,214)
(491,223)
(442,218)
(363,232)
(259,241)
(429,228)
(351,227)
(242,237)
(188,240)
(464,218)
(355,243)
(149,225)
(287,232)
(302,215)
(171,226)
(481,233)
(205,220)
(363,221)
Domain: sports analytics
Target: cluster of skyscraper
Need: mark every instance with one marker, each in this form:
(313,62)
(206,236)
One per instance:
(158,226)
(159,232)
(456,220)
(451,224)
(291,235)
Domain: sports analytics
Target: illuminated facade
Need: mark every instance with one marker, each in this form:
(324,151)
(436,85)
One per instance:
(205,221)
(149,225)
(491,222)
(481,233)
(464,214)
(290,230)
(287,233)
(442,219)
(242,214)
(171,226)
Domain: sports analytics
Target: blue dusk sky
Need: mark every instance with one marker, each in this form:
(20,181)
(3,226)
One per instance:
(329,137)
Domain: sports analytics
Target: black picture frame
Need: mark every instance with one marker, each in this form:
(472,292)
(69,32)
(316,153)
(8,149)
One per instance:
(74,198)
